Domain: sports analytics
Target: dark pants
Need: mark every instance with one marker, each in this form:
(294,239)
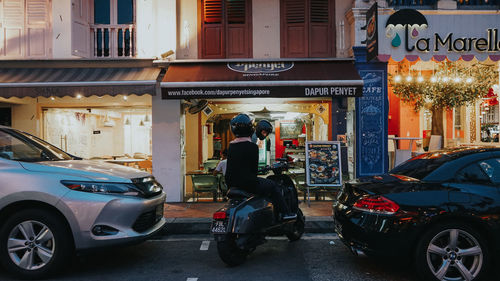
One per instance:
(269,188)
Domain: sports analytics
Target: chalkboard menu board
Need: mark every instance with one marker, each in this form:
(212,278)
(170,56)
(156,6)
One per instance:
(323,167)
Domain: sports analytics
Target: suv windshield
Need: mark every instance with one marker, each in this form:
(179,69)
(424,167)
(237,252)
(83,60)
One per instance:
(420,167)
(19,146)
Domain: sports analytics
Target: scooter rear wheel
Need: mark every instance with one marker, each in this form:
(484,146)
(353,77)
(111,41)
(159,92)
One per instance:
(229,251)
(298,227)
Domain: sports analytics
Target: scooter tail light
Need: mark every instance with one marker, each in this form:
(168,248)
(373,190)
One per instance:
(220,215)
(376,204)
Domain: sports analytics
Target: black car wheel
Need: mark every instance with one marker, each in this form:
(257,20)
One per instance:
(34,243)
(452,251)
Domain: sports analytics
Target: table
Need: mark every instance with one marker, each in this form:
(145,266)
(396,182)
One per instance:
(401,155)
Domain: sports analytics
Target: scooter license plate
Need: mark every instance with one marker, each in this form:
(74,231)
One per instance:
(219,227)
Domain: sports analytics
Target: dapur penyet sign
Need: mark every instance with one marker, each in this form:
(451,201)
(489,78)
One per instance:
(439,35)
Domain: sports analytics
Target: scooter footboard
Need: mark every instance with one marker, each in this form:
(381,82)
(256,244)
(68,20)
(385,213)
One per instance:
(253,217)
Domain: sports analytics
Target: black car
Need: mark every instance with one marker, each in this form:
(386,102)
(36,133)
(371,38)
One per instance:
(441,209)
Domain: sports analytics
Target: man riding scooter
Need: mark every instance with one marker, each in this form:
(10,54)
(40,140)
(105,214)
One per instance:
(242,163)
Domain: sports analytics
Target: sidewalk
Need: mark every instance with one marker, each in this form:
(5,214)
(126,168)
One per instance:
(195,218)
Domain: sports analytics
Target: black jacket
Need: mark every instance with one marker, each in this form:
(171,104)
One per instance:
(242,165)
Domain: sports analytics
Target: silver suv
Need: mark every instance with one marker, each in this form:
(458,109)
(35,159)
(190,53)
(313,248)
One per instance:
(53,204)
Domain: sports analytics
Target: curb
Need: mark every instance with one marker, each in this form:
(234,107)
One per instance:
(202,225)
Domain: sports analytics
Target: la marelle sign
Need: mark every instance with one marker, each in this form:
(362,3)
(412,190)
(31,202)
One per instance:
(451,36)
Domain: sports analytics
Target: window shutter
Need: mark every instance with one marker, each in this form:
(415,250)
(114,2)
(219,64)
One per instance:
(320,31)
(80,29)
(294,32)
(37,28)
(212,11)
(238,28)
(12,28)
(212,28)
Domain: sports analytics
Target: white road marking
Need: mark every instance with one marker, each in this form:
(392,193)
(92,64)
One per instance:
(204,245)
(206,237)
(192,279)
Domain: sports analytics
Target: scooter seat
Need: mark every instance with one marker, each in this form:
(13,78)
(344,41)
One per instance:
(238,193)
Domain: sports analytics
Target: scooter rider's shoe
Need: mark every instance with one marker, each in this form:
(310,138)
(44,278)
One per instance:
(289,216)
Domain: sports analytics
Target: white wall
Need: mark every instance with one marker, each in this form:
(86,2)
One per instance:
(166,146)
(187,29)
(266,28)
(61,27)
(156,27)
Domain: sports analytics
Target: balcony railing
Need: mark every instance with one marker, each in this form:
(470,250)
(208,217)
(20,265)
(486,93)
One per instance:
(113,41)
(480,4)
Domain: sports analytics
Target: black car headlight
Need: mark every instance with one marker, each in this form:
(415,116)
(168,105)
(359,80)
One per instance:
(103,187)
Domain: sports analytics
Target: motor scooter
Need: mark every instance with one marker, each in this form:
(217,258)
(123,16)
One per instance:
(245,221)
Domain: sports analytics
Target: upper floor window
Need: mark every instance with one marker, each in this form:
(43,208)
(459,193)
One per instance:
(25,29)
(226,29)
(104,28)
(307,28)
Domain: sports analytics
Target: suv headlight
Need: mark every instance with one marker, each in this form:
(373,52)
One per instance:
(103,187)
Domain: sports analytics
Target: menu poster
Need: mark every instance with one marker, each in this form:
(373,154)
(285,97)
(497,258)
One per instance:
(323,167)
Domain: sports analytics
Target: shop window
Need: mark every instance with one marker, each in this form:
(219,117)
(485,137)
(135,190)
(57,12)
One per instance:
(6,116)
(225,29)
(103,28)
(307,28)
(489,123)
(24,29)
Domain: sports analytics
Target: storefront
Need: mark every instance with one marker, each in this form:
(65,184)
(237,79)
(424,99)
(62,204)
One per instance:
(305,100)
(92,109)
(443,79)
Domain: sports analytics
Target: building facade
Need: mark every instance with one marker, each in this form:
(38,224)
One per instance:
(94,77)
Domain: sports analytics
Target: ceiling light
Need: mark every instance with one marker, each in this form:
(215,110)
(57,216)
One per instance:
(397,78)
(409,78)
(420,79)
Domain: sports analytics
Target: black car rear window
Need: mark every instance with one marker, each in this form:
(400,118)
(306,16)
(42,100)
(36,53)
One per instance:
(420,168)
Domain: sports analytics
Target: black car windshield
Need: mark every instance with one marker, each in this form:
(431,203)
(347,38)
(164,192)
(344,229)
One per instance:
(420,167)
(19,146)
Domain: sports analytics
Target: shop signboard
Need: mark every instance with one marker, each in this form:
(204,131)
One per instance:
(372,33)
(323,163)
(412,35)
(260,79)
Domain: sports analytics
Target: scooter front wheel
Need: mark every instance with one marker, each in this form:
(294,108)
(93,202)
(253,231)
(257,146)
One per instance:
(298,227)
(229,252)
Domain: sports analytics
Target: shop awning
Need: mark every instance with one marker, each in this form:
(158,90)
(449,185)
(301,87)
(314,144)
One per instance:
(77,77)
(269,78)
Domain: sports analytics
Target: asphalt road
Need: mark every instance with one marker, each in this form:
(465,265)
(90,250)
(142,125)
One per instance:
(194,258)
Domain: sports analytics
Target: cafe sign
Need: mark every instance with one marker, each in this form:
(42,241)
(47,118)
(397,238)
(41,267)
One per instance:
(414,35)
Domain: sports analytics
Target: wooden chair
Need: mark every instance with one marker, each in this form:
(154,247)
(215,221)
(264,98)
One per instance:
(205,183)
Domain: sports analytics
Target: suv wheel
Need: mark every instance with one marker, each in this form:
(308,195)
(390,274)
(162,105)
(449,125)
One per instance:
(34,243)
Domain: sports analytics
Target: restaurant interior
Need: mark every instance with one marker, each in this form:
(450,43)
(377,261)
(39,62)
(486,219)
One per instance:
(207,133)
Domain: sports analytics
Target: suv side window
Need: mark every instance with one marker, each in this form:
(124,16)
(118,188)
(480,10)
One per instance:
(473,173)
(491,167)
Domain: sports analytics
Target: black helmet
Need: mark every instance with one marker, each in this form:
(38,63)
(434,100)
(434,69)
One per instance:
(242,125)
(263,125)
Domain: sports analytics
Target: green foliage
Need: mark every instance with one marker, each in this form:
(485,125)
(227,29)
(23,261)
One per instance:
(450,93)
